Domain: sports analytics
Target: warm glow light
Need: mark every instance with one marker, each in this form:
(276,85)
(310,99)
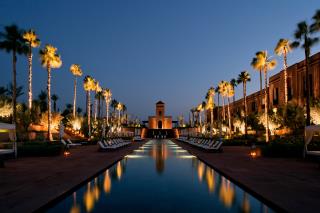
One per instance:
(88,199)
(66,153)
(210,179)
(253,154)
(200,171)
(107,183)
(119,170)
(135,156)
(227,193)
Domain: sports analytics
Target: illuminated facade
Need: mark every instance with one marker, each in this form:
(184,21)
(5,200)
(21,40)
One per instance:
(296,87)
(160,121)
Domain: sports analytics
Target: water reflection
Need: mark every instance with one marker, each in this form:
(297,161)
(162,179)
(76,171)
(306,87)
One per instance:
(114,185)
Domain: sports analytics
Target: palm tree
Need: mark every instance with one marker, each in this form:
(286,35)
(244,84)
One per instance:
(243,78)
(234,84)
(264,61)
(114,104)
(99,97)
(54,98)
(107,97)
(11,41)
(10,89)
(210,105)
(283,48)
(97,89)
(315,26)
(49,59)
(119,108)
(305,41)
(229,92)
(258,68)
(76,72)
(43,101)
(222,92)
(88,85)
(32,41)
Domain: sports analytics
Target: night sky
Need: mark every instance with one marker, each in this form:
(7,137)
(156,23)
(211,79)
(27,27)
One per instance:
(150,50)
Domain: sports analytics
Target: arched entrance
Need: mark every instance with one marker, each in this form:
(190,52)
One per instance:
(159,124)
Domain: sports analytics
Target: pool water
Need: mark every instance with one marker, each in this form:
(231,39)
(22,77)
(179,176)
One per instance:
(160,176)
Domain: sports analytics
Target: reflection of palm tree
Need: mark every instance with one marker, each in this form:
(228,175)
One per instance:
(119,170)
(107,182)
(49,59)
(200,171)
(75,207)
(227,193)
(88,198)
(77,72)
(245,207)
(210,178)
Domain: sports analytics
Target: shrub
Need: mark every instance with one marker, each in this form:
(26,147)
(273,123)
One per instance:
(39,149)
(284,147)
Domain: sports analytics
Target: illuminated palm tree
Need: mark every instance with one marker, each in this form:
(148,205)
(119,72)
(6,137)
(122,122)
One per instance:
(32,41)
(259,69)
(99,97)
(283,48)
(266,63)
(234,84)
(305,40)
(97,89)
(77,72)
(107,97)
(119,108)
(88,85)
(222,92)
(229,92)
(210,105)
(243,78)
(49,59)
(12,41)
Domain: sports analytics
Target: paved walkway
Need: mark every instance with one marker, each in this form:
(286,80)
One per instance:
(29,183)
(291,184)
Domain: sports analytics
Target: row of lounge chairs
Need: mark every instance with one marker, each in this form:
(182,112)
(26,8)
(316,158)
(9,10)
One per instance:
(204,143)
(137,138)
(69,143)
(112,144)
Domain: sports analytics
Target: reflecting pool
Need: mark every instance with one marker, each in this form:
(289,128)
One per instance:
(160,176)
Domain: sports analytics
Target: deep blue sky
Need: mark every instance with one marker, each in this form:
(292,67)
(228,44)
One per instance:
(147,50)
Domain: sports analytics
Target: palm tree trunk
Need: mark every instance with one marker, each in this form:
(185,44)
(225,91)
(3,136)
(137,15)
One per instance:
(30,78)
(99,106)
(266,104)
(95,106)
(49,102)
(74,96)
(119,117)
(307,53)
(89,113)
(260,99)
(245,108)
(285,76)
(229,116)
(107,111)
(211,122)
(219,120)
(223,109)
(14,92)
